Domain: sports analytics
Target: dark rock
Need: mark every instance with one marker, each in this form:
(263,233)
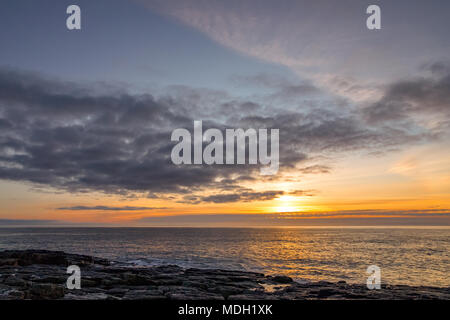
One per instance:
(16,294)
(227,290)
(137,280)
(15,281)
(29,257)
(118,291)
(45,291)
(326,292)
(9,262)
(282,279)
(88,283)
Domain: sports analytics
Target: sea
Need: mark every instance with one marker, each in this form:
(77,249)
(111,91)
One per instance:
(417,256)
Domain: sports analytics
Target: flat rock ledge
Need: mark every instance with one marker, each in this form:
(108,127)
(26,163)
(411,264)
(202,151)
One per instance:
(41,274)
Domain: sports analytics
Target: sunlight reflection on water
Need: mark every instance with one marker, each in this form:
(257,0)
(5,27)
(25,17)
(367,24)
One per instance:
(406,256)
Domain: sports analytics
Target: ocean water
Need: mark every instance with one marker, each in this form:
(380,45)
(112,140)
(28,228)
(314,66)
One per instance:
(406,256)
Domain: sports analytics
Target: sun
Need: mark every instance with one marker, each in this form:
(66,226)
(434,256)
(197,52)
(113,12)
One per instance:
(286,204)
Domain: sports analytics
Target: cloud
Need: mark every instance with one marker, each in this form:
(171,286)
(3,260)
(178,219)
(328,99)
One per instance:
(445,213)
(314,169)
(84,138)
(109,208)
(308,193)
(242,196)
(67,137)
(437,68)
(282,88)
(17,222)
(354,217)
(344,218)
(322,40)
(421,97)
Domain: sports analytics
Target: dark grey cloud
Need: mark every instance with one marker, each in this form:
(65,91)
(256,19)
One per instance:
(77,138)
(437,68)
(323,131)
(242,196)
(64,136)
(110,208)
(245,195)
(424,96)
(18,222)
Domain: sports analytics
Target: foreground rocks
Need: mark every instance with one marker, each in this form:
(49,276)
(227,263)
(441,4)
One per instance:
(40,274)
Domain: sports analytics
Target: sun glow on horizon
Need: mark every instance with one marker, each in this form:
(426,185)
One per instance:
(287,204)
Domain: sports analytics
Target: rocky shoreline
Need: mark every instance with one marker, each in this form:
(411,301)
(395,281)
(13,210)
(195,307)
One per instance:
(41,274)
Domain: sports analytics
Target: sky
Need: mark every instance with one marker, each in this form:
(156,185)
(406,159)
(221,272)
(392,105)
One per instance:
(86,115)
